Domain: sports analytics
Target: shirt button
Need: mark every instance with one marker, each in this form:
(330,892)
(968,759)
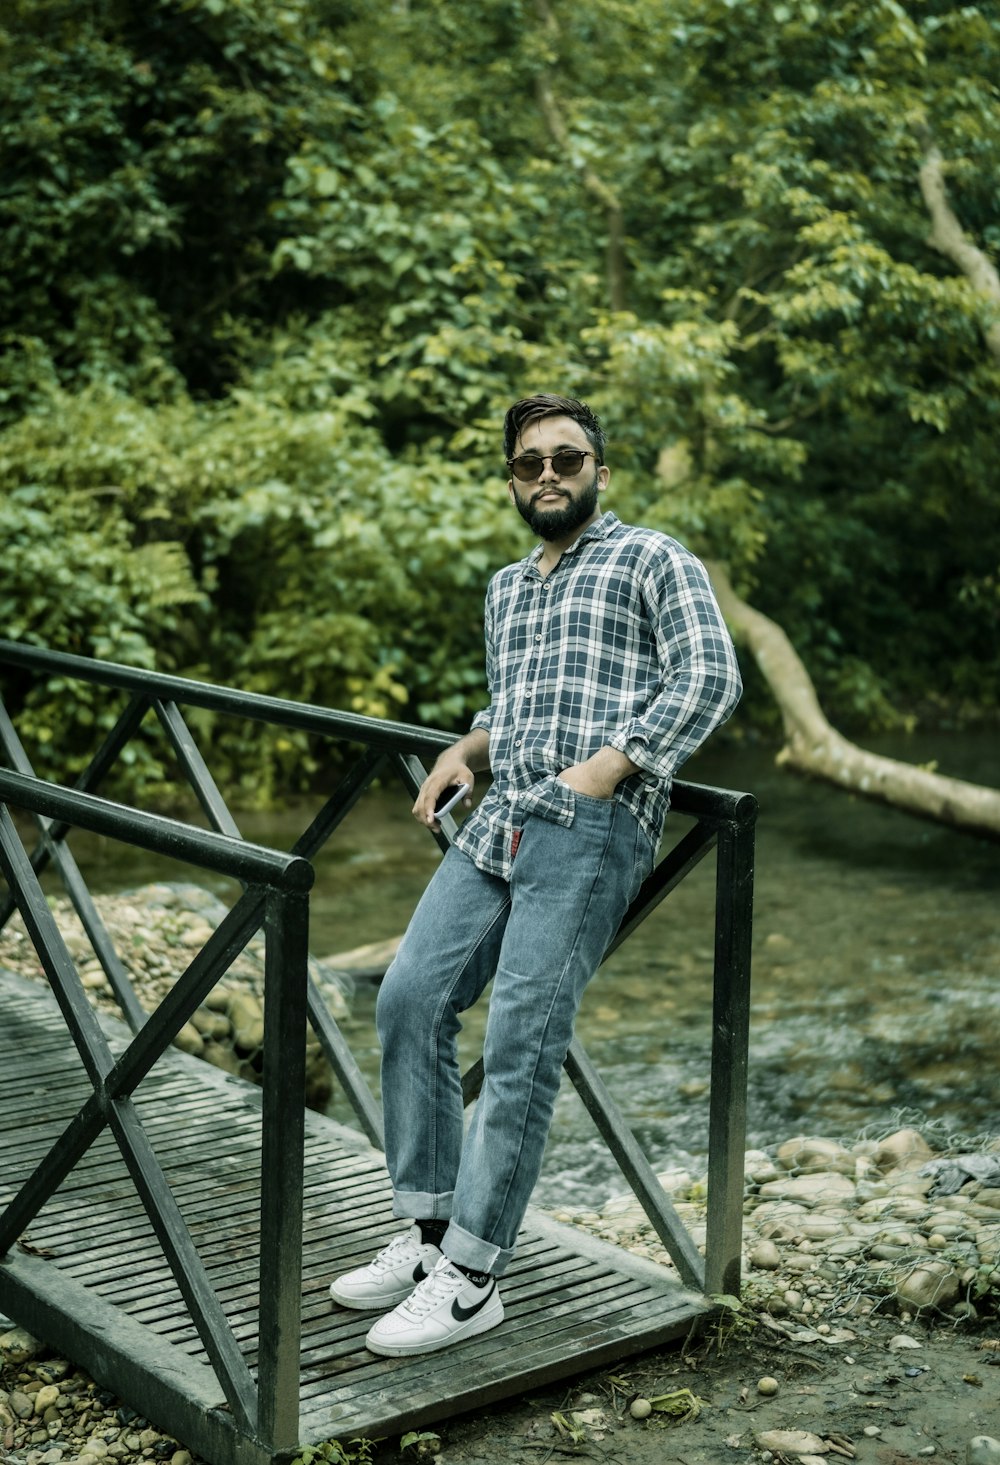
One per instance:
(545,588)
(538,638)
(518,743)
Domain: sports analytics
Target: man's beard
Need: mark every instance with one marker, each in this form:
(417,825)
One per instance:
(557,523)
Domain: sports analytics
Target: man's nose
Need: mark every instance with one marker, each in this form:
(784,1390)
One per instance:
(548,472)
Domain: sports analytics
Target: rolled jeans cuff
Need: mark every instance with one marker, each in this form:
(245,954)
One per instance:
(471,1251)
(420,1205)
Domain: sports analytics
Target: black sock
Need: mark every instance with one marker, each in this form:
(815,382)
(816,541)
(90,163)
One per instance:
(432,1232)
(478,1279)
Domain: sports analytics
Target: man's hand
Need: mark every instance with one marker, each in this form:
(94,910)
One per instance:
(433,787)
(600,775)
(456,765)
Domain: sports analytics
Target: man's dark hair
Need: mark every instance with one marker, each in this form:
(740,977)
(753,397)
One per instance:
(544,404)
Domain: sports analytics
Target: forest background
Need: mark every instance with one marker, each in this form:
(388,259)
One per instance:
(272,272)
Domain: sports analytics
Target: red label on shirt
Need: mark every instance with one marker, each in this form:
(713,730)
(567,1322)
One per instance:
(515,840)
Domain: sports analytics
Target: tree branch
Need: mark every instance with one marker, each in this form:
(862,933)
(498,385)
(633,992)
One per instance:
(948,238)
(812,746)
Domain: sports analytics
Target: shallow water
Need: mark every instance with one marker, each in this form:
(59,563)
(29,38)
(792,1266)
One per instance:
(876,955)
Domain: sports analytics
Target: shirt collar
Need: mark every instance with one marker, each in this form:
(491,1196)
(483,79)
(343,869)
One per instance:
(600,529)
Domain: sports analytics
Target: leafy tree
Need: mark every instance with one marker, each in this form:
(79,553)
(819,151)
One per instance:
(271,275)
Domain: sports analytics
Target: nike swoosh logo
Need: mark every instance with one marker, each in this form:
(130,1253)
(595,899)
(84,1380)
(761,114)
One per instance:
(462,1314)
(419,1272)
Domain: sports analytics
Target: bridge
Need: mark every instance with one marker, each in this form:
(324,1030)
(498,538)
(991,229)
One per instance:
(173,1229)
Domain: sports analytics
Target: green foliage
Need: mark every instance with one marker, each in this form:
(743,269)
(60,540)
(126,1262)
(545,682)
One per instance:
(271,274)
(420,1444)
(332,1452)
(329,575)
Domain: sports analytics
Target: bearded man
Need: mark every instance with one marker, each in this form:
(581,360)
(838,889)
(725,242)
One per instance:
(608,663)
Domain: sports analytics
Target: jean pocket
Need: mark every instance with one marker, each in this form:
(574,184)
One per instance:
(589,798)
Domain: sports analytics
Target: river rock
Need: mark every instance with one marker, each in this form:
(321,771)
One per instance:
(815,1156)
(810,1190)
(844,1246)
(765,1256)
(211,1024)
(905,1148)
(822,1228)
(929,1284)
(780,1220)
(17,1345)
(904,1183)
(905,1239)
(791,1441)
(222,1056)
(189,1040)
(982,1449)
(21,1404)
(759,1166)
(945,1226)
(246,1013)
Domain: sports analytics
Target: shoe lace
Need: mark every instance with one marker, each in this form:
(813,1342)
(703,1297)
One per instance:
(441,1284)
(393,1254)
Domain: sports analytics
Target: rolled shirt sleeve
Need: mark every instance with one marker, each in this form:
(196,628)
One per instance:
(700,676)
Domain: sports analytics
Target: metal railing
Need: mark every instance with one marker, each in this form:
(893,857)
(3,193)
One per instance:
(277,889)
(276,894)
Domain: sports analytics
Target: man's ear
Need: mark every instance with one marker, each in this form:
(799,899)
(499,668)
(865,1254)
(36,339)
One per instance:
(603,477)
(510,491)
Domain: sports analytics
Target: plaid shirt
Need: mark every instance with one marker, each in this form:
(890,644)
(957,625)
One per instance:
(623,645)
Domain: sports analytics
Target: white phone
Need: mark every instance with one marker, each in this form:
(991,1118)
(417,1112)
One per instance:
(452,795)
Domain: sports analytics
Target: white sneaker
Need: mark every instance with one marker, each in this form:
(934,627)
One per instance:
(390,1276)
(442,1310)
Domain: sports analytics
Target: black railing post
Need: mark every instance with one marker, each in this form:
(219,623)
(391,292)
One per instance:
(730,1043)
(286,927)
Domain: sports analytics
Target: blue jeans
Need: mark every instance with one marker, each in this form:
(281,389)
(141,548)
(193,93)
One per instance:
(541,937)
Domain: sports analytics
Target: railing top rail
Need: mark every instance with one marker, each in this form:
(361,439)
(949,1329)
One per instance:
(203,847)
(258,706)
(699,800)
(713,804)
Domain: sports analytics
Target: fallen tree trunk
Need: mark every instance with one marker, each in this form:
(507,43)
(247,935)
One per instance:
(812,746)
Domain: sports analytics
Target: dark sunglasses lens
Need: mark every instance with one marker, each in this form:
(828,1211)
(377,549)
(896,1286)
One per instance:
(567,463)
(527,467)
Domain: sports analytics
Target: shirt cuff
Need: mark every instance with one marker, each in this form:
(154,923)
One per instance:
(636,748)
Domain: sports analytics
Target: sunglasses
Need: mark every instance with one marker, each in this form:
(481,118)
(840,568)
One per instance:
(566,463)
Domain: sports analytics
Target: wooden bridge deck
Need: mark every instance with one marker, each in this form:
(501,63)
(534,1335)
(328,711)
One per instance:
(90,1277)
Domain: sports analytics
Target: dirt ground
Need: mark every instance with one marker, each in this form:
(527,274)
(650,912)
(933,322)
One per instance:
(870,1399)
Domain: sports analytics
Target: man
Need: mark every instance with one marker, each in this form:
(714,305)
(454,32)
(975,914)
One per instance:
(608,664)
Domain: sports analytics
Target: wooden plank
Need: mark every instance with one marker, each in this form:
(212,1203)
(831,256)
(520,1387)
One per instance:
(408,1397)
